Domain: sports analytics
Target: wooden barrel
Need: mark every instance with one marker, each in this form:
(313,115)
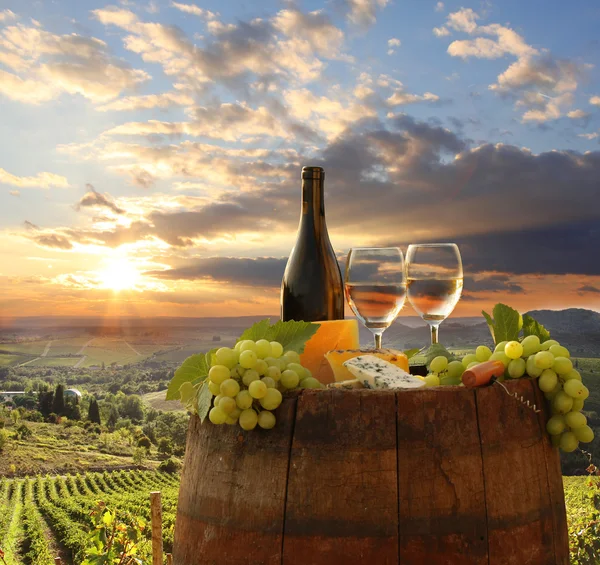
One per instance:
(444,476)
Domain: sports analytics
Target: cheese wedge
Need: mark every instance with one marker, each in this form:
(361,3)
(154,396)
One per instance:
(337,358)
(374,372)
(333,334)
(346,385)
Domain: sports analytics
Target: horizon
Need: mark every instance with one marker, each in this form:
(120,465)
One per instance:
(151,149)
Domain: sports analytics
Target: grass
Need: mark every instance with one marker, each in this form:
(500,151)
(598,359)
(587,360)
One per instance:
(55,362)
(26,347)
(582,499)
(158,402)
(8,360)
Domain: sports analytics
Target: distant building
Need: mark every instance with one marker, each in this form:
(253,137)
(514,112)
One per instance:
(216,338)
(10,394)
(73,392)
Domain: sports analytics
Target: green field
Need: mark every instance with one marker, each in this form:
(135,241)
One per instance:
(9,360)
(46,517)
(54,362)
(157,401)
(25,347)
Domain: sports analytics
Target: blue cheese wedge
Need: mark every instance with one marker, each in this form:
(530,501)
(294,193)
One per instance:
(346,385)
(374,372)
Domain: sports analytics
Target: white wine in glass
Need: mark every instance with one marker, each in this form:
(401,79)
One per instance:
(375,287)
(435,281)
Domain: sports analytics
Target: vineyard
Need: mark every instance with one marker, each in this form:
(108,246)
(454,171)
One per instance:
(45,517)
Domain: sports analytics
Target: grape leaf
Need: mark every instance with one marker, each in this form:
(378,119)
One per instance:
(259,330)
(193,369)
(411,353)
(533,327)
(293,335)
(506,325)
(435,350)
(204,401)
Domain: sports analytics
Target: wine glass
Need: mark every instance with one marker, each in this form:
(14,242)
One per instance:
(375,286)
(435,281)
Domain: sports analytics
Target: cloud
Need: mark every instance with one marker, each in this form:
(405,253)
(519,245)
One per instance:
(148,101)
(194,10)
(589,136)
(49,65)
(492,283)
(363,13)
(15,193)
(6,15)
(441,31)
(439,7)
(393,42)
(400,97)
(463,20)
(577,114)
(53,241)
(588,288)
(41,180)
(595,100)
(94,199)
(260,271)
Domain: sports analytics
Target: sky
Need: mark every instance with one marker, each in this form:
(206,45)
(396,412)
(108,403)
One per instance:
(150,151)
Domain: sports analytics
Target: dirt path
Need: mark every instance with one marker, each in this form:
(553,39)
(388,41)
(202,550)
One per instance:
(30,361)
(80,352)
(132,348)
(78,364)
(47,349)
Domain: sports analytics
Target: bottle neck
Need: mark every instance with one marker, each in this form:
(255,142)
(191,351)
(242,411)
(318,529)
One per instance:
(313,204)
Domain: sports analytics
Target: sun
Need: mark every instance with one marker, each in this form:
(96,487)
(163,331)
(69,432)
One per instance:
(119,275)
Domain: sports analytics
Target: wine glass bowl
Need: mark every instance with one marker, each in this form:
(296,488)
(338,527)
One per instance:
(375,286)
(434,281)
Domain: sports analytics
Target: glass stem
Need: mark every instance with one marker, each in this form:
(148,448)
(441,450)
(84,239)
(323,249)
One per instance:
(377,335)
(434,333)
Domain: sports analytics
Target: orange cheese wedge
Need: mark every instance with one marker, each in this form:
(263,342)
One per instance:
(337,359)
(334,334)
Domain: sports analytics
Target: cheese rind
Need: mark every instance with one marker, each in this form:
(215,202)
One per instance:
(374,372)
(337,358)
(346,385)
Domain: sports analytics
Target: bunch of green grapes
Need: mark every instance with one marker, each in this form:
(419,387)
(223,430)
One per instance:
(551,364)
(444,372)
(247,382)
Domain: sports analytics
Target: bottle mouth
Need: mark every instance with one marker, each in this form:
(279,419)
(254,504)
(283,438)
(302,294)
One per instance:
(313,172)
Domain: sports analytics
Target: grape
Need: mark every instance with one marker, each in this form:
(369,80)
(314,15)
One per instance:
(234,374)
(544,359)
(218,373)
(531,345)
(555,440)
(186,391)
(575,419)
(235,413)
(230,387)
(577,405)
(516,368)
(586,393)
(562,402)
(432,380)
(573,374)
(548,344)
(574,388)
(243,399)
(470,358)
(548,380)
(298,369)
(585,434)
(550,395)
(269,382)
(501,356)
(217,416)
(289,379)
(248,419)
(562,365)
(266,420)
(263,348)
(559,351)
(238,345)
(272,399)
(568,442)
(556,424)
(214,388)
(226,356)
(446,380)
(438,364)
(250,376)
(483,353)
(230,420)
(227,404)
(455,369)
(471,365)
(274,373)
(310,382)
(513,349)
(291,357)
(261,367)
(307,373)
(248,359)
(500,347)
(276,349)
(532,369)
(217,399)
(248,345)
(282,364)
(271,361)
(257,389)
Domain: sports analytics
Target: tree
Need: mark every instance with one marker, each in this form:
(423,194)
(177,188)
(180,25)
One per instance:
(113,417)
(164,446)
(132,407)
(58,405)
(94,412)
(46,400)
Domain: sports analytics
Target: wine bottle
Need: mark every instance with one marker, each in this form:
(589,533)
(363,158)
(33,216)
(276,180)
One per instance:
(312,287)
